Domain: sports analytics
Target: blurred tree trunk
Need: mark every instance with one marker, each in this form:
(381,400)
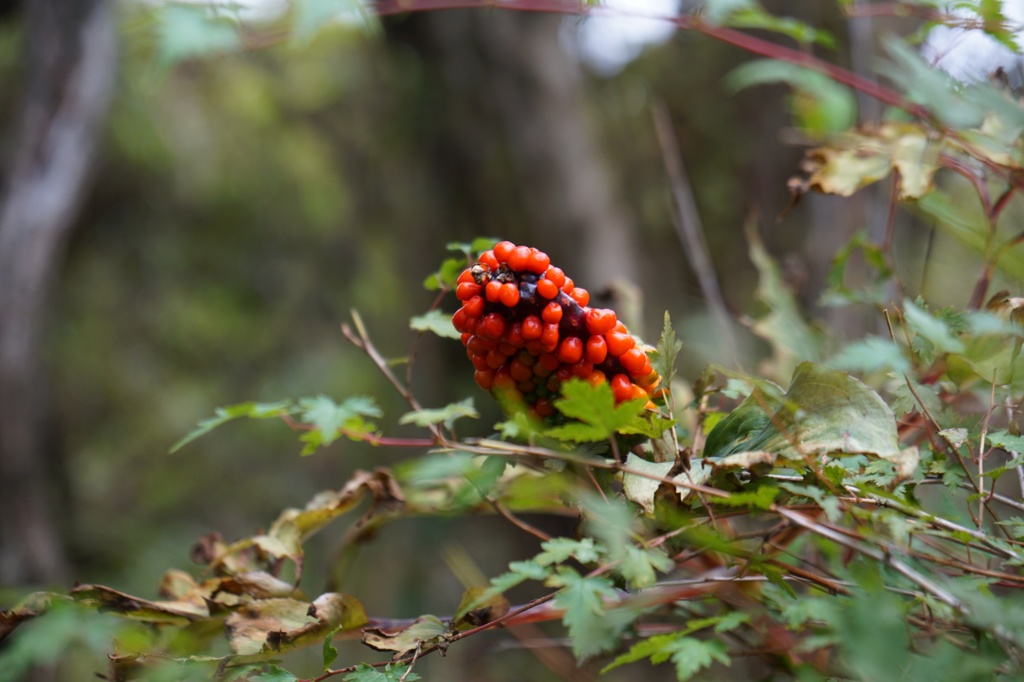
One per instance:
(512,141)
(70,62)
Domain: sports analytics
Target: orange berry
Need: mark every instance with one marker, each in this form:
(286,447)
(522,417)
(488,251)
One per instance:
(538,262)
(487,258)
(467,290)
(502,250)
(581,296)
(493,290)
(596,378)
(638,393)
(619,327)
(474,307)
(484,378)
(518,259)
(619,343)
(600,320)
(466,276)
(622,388)
(552,313)
(596,350)
(532,328)
(547,288)
(508,295)
(491,326)
(556,276)
(633,360)
(568,286)
(570,351)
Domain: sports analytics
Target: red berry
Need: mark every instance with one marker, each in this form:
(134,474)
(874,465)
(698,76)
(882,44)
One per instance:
(479,346)
(508,295)
(549,362)
(547,288)
(570,351)
(596,378)
(532,328)
(568,285)
(491,326)
(484,378)
(538,262)
(581,296)
(527,359)
(633,361)
(518,259)
(493,290)
(463,322)
(549,337)
(502,250)
(496,359)
(503,380)
(618,342)
(600,320)
(596,350)
(488,259)
(582,369)
(467,290)
(519,371)
(507,349)
(474,307)
(480,362)
(466,336)
(622,387)
(466,276)
(552,313)
(544,408)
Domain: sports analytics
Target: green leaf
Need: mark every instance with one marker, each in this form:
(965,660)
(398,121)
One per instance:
(871,355)
(664,358)
(750,418)
(446,276)
(435,321)
(329,652)
(932,328)
(190,30)
(762,498)
(558,550)
(273,673)
(389,673)
(690,655)
(640,565)
(223,415)
(599,417)
(642,489)
(519,572)
(328,418)
(1007,441)
(820,105)
(592,627)
(447,414)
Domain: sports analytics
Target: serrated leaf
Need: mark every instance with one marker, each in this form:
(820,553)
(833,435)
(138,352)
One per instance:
(933,328)
(558,550)
(274,673)
(435,321)
(663,360)
(329,418)
(446,415)
(598,416)
(640,565)
(592,627)
(690,655)
(329,652)
(223,415)
(519,572)
(446,276)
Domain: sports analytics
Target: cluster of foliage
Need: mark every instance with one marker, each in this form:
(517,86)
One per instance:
(827,527)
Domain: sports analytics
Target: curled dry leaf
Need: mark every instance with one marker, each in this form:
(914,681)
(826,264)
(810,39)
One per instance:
(266,628)
(425,630)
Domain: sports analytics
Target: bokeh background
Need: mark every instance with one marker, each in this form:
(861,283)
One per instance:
(240,202)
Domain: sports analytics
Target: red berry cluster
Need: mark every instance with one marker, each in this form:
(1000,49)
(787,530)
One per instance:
(527,329)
